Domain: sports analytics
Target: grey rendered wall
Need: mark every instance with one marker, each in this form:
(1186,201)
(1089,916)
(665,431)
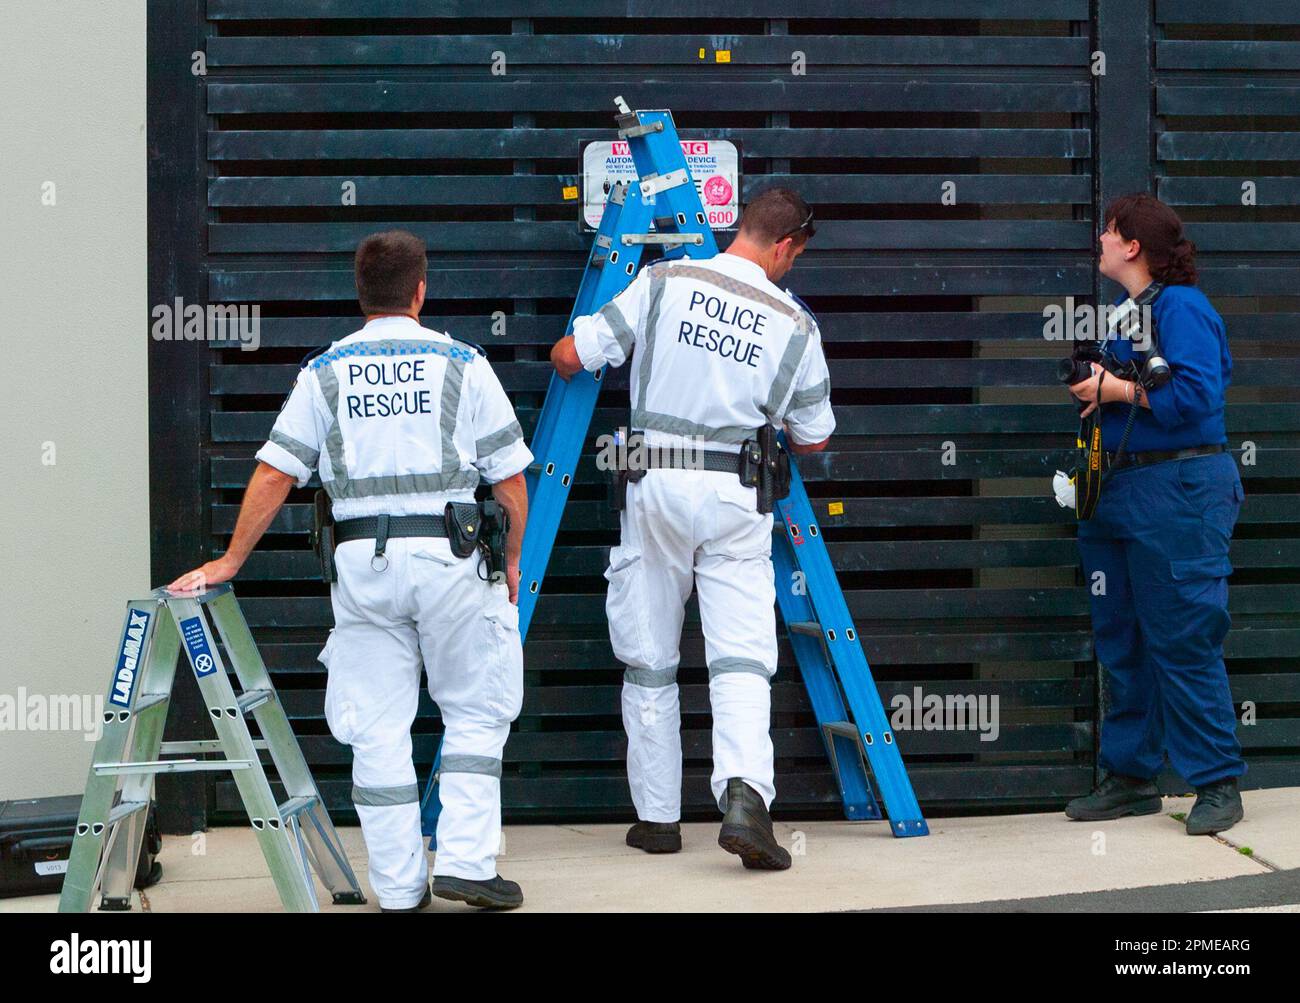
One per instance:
(74,504)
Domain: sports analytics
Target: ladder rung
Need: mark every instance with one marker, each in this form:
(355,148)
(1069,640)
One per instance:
(253,699)
(296,806)
(170,766)
(147,700)
(125,808)
(696,239)
(810,627)
(201,745)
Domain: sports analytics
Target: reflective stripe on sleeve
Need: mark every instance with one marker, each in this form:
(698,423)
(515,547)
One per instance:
(489,444)
(300,451)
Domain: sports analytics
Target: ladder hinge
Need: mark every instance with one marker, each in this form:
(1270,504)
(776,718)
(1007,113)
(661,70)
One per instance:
(657,183)
(633,131)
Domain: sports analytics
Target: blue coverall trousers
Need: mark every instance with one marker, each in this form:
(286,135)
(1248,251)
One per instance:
(1155,559)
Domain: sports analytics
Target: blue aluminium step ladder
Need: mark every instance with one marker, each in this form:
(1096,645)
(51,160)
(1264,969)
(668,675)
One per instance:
(835,670)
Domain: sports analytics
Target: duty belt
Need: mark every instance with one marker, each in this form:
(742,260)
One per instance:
(389,527)
(1160,456)
(666,458)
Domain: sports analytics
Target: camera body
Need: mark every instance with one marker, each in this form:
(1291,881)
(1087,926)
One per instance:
(1151,375)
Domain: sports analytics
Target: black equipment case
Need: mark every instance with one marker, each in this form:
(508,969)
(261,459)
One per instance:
(36,840)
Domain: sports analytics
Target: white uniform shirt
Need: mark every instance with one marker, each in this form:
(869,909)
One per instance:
(400,420)
(718,351)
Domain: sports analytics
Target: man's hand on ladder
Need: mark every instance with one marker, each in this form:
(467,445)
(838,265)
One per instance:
(564,356)
(213,573)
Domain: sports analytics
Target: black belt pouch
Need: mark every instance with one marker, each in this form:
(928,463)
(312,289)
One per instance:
(464,527)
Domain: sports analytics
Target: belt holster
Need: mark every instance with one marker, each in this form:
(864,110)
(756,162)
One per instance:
(765,466)
(620,475)
(495,527)
(322,536)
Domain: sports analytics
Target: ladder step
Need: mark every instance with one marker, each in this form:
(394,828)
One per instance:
(664,239)
(125,808)
(147,700)
(170,766)
(810,627)
(253,699)
(201,745)
(296,806)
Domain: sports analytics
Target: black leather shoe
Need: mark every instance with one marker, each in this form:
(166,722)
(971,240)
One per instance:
(1218,807)
(1115,797)
(495,894)
(747,830)
(656,837)
(422,904)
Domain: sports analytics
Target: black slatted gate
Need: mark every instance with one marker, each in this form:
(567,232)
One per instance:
(957,166)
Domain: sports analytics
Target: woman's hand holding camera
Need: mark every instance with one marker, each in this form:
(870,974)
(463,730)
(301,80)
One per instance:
(1113,390)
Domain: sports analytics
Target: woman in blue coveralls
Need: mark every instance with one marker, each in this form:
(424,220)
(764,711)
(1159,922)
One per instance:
(1155,552)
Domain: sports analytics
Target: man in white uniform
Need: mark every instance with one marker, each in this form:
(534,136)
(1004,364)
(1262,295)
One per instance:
(400,420)
(717,351)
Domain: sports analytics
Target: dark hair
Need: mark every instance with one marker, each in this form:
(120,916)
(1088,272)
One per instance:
(775,214)
(389,269)
(1170,256)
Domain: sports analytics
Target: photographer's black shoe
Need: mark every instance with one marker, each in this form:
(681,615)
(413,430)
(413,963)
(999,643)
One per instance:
(1115,797)
(1218,807)
(422,904)
(747,830)
(656,837)
(497,893)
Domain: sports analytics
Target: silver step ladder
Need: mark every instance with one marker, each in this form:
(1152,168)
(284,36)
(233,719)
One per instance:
(296,836)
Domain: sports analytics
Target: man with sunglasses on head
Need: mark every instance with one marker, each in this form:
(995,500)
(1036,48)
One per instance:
(718,355)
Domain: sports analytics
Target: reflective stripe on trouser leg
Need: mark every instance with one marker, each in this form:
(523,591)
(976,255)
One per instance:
(741,697)
(395,862)
(469,827)
(734,580)
(469,634)
(652,719)
(649,582)
(371,698)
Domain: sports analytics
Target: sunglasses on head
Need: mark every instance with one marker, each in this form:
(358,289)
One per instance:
(805,227)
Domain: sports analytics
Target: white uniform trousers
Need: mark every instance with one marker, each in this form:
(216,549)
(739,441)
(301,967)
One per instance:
(684,527)
(426,608)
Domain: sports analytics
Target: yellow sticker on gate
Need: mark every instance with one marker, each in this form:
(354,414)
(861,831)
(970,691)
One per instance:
(571,192)
(723,55)
(701,53)
(835,508)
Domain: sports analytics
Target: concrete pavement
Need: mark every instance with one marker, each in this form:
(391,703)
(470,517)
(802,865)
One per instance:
(1016,862)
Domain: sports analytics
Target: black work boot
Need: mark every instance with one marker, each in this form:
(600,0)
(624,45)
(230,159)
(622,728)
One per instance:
(422,904)
(1115,797)
(747,830)
(1218,807)
(656,837)
(497,893)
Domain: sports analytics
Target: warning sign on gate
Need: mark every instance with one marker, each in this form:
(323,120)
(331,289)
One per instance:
(714,165)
